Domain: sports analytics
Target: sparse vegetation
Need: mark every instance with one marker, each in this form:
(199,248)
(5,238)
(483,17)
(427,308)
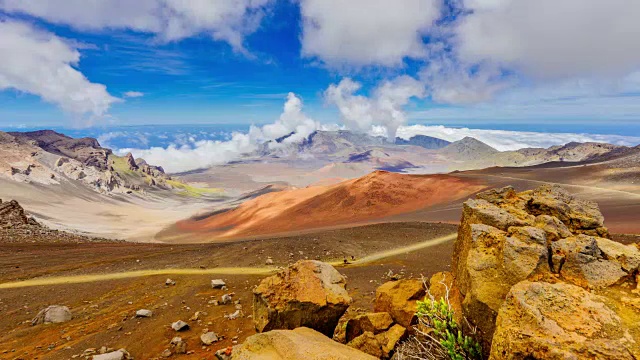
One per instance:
(191,191)
(438,336)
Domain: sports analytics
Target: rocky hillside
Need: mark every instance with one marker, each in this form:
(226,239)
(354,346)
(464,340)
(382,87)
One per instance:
(50,158)
(427,142)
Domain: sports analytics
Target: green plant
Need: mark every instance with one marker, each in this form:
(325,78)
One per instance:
(438,335)
(439,316)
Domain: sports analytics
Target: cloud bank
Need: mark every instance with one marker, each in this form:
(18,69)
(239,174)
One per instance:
(191,154)
(505,140)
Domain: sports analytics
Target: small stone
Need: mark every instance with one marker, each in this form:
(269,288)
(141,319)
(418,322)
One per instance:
(166,353)
(217,284)
(144,313)
(169,282)
(180,325)
(209,338)
(269,261)
(225,299)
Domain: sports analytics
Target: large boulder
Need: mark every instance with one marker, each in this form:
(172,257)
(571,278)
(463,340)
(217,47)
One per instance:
(539,320)
(308,293)
(298,344)
(507,239)
(399,299)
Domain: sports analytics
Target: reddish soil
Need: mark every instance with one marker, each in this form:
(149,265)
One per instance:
(103,311)
(376,196)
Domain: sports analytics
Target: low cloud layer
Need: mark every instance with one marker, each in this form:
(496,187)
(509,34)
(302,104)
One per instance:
(505,140)
(292,124)
(42,64)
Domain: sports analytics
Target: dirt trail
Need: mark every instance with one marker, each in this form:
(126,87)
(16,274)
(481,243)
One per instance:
(77,279)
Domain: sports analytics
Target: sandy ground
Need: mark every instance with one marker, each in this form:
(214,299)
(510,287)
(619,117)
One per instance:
(103,310)
(374,196)
(78,209)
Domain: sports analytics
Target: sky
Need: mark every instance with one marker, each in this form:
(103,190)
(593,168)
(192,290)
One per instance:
(358,63)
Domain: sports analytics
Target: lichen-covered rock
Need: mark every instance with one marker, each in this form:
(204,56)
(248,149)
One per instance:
(579,260)
(556,244)
(308,293)
(539,320)
(299,344)
(399,299)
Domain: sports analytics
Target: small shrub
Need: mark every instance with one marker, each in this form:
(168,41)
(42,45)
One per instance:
(438,336)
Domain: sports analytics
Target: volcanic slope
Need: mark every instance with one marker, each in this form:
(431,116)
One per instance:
(369,198)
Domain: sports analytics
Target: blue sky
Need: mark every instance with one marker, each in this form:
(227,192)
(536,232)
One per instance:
(466,61)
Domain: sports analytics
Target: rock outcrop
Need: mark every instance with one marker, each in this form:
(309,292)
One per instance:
(308,293)
(527,266)
(299,344)
(541,320)
(12,215)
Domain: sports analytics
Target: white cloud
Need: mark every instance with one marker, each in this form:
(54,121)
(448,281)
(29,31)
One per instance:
(550,39)
(225,20)
(40,63)
(133,94)
(384,107)
(193,154)
(504,140)
(365,32)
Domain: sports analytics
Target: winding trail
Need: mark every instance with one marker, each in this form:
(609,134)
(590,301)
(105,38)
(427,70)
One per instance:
(77,279)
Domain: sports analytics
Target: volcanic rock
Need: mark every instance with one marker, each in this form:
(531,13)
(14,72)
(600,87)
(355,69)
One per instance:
(217,284)
(391,338)
(209,338)
(399,299)
(52,314)
(539,320)
(144,313)
(179,325)
(131,162)
(12,214)
(298,344)
(370,322)
(308,293)
(114,355)
(367,343)
(542,250)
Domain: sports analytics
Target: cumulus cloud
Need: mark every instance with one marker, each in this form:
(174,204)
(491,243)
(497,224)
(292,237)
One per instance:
(364,32)
(292,124)
(384,107)
(505,140)
(40,63)
(225,20)
(133,94)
